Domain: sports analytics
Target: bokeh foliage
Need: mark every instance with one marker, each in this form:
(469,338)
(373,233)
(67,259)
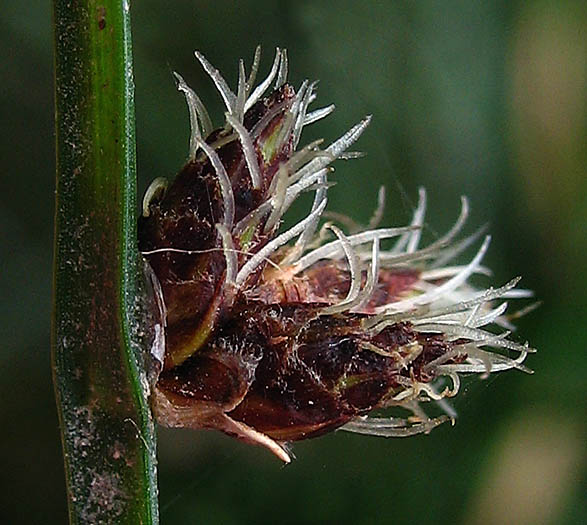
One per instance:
(485,99)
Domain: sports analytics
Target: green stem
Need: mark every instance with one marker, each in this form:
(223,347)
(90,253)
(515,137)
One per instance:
(101,326)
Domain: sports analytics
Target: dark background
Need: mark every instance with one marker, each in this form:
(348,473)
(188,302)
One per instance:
(485,99)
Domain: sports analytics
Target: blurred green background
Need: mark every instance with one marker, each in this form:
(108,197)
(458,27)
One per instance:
(486,99)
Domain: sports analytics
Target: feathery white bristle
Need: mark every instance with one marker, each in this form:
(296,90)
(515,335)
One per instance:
(227,95)
(414,237)
(335,149)
(192,99)
(156,190)
(254,70)
(229,253)
(481,320)
(282,74)
(225,185)
(453,251)
(492,362)
(372,277)
(248,150)
(417,222)
(355,272)
(301,114)
(349,138)
(446,239)
(448,271)
(239,107)
(375,220)
(294,191)
(192,102)
(278,198)
(318,114)
(391,427)
(306,154)
(263,86)
(308,233)
(518,294)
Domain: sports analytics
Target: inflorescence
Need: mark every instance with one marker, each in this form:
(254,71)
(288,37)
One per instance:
(278,336)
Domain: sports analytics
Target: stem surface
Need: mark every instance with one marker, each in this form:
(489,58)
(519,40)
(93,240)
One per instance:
(100,317)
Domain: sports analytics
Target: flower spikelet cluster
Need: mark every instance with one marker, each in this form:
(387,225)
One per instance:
(274,336)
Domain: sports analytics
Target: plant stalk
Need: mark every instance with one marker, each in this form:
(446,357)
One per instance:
(101,321)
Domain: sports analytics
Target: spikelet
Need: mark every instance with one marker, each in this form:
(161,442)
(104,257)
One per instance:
(279,336)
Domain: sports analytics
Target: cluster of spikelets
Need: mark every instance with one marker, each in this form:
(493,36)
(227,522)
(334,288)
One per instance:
(404,320)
